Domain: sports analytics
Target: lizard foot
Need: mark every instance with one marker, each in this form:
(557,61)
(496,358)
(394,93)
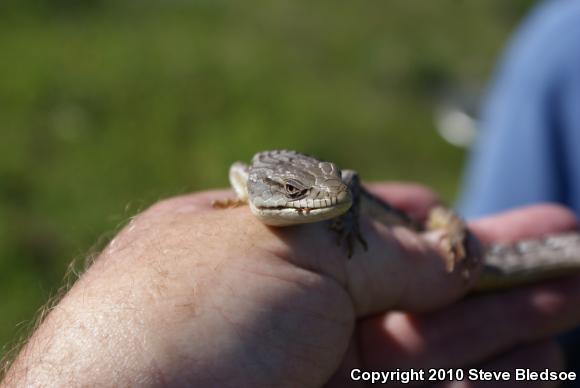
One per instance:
(346,225)
(227,203)
(455,239)
(348,230)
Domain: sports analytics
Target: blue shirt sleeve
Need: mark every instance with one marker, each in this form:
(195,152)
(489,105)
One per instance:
(528,150)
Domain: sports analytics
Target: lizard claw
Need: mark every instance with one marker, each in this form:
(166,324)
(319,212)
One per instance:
(455,239)
(362,241)
(348,230)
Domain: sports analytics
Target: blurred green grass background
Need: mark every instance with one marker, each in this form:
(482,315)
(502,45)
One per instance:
(107,106)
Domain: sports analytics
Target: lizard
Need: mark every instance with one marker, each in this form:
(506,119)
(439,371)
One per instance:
(284,187)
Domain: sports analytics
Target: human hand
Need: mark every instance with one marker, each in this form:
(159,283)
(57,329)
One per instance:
(490,332)
(189,295)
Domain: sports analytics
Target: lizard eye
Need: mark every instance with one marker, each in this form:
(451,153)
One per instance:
(293,191)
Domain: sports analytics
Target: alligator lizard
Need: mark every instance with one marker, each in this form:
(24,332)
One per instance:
(287,188)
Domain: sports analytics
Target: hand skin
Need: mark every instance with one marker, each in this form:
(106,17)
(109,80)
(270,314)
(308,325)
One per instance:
(187,295)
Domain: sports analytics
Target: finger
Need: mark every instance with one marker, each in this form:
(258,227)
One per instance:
(471,330)
(400,269)
(545,355)
(524,222)
(414,199)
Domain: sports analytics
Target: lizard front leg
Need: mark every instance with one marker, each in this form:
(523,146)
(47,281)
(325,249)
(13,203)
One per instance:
(456,242)
(238,177)
(347,224)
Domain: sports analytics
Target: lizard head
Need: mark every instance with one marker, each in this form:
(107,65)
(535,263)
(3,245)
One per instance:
(286,188)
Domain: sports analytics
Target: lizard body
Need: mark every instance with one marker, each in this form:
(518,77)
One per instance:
(287,188)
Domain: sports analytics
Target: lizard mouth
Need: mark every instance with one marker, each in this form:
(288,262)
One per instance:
(304,210)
